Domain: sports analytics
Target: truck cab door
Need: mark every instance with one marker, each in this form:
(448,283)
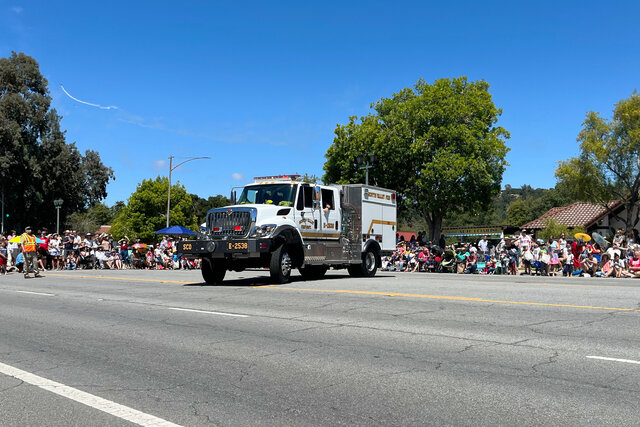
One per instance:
(307,212)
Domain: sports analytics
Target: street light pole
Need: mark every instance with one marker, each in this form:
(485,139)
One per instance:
(171,169)
(360,159)
(2,228)
(58,204)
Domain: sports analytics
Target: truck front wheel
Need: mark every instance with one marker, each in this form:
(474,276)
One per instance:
(280,265)
(213,271)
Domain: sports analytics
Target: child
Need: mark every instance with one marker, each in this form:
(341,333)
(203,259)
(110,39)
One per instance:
(70,262)
(568,264)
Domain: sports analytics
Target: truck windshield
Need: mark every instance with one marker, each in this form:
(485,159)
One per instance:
(269,194)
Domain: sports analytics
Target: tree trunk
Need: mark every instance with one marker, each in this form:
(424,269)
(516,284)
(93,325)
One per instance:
(630,220)
(435,227)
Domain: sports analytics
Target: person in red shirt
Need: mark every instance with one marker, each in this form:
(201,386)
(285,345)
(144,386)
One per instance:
(634,265)
(576,249)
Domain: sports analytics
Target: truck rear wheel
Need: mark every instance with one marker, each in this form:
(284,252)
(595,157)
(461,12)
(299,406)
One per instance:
(280,265)
(313,272)
(213,271)
(368,267)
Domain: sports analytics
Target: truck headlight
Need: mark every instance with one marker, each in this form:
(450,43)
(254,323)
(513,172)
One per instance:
(262,230)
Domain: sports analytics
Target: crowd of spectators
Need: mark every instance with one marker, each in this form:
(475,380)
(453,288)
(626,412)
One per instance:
(74,251)
(566,256)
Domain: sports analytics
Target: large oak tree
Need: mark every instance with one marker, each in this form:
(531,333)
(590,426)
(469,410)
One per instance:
(436,144)
(37,165)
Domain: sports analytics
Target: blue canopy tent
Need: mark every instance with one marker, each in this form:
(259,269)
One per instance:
(177,230)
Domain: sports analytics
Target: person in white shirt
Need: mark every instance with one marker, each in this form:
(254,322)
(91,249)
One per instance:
(12,249)
(483,244)
(163,243)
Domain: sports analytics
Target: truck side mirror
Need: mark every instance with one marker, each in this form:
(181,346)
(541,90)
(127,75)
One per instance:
(233,197)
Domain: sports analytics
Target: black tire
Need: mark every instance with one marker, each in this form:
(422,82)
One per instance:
(280,265)
(213,271)
(355,270)
(368,266)
(313,272)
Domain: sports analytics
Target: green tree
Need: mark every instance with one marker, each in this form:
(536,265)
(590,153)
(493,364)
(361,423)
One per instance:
(553,229)
(89,221)
(201,206)
(437,145)
(518,213)
(145,211)
(608,165)
(37,165)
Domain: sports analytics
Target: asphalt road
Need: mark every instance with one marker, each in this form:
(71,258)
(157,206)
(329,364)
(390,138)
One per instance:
(397,349)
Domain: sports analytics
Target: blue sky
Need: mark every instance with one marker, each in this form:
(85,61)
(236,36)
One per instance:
(260,86)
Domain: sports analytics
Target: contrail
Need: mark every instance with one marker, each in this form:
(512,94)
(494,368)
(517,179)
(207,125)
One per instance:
(112,107)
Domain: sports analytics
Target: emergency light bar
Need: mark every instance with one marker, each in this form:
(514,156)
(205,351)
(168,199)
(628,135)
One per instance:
(277,178)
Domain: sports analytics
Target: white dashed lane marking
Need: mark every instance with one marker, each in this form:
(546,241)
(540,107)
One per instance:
(104,405)
(36,293)
(207,312)
(611,359)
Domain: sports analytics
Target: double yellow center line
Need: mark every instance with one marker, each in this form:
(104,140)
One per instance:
(448,298)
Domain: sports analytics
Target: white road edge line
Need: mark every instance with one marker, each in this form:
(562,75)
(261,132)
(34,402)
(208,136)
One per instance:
(85,398)
(207,312)
(36,293)
(637,362)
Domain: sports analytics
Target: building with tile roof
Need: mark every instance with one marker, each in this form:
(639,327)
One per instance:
(591,216)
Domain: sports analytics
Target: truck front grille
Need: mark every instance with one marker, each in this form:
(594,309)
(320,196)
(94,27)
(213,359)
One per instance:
(234,223)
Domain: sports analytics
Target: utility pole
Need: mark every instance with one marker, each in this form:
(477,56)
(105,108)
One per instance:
(171,169)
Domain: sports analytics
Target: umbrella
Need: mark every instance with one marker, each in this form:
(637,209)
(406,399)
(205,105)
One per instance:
(584,236)
(17,240)
(599,240)
(139,245)
(177,230)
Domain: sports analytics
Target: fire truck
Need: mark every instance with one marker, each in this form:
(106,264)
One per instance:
(282,223)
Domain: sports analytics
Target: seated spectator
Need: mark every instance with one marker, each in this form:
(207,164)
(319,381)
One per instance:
(471,262)
(590,265)
(70,262)
(634,265)
(607,269)
(20,260)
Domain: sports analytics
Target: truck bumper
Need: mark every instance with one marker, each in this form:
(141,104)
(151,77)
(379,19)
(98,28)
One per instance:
(240,248)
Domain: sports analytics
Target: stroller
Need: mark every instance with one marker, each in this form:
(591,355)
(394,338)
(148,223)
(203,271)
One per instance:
(448,263)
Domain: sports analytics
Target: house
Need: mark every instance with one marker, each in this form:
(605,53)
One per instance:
(593,217)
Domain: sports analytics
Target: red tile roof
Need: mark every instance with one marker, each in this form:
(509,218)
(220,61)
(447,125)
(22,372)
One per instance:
(577,214)
(407,235)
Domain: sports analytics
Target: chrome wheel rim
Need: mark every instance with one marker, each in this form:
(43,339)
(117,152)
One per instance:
(285,263)
(370,261)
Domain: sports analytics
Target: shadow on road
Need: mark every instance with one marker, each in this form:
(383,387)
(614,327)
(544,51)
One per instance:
(266,281)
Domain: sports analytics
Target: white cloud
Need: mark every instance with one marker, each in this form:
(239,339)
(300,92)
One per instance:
(159,165)
(17,9)
(236,176)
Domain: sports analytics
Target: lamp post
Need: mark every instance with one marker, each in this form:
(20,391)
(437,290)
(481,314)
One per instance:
(2,228)
(58,204)
(361,159)
(171,169)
